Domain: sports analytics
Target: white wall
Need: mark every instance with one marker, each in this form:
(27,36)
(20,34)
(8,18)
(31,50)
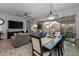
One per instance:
(5,25)
(67,12)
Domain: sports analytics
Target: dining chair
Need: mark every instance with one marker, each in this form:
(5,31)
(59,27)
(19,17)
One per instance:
(61,46)
(37,49)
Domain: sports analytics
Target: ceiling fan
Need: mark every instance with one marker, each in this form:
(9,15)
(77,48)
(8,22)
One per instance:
(27,15)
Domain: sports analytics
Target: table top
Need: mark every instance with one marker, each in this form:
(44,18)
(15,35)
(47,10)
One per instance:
(45,40)
(51,44)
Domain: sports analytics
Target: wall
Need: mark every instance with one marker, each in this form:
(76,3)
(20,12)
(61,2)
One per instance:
(7,17)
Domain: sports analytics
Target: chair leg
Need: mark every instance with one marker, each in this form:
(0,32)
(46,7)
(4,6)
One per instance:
(32,54)
(58,52)
(61,52)
(50,53)
(55,52)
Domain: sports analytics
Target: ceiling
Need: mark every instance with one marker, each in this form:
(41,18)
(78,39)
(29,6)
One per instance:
(37,9)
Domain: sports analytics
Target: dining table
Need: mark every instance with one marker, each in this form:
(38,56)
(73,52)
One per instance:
(51,43)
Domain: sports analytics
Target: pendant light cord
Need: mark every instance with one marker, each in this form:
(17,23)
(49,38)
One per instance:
(52,9)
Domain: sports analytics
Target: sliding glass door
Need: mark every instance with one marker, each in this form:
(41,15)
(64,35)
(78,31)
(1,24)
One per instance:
(68,28)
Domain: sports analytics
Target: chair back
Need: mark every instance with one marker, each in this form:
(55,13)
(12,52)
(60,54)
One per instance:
(36,45)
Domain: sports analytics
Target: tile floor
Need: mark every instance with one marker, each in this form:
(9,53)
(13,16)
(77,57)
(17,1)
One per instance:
(6,49)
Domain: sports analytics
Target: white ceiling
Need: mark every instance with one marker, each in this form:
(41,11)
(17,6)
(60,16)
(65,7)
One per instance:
(36,9)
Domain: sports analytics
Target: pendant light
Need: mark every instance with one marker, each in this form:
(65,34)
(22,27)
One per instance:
(52,15)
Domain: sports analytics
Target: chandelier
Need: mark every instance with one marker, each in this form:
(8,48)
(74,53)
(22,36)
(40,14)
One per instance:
(51,14)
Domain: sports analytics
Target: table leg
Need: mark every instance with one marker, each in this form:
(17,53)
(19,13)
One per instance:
(58,51)
(61,52)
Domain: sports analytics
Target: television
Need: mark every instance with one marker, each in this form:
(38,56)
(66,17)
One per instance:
(15,24)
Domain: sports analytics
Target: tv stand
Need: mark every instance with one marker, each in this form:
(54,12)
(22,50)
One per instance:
(9,34)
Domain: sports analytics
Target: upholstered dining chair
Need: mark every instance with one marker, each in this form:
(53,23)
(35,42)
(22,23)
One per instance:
(37,49)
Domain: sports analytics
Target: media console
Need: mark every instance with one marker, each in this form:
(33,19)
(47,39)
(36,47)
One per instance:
(9,34)
(14,25)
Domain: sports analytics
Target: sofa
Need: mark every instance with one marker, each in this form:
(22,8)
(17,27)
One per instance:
(19,40)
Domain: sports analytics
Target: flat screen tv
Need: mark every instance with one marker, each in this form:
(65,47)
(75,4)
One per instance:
(15,24)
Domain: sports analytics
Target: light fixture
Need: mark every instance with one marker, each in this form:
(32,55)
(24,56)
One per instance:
(52,15)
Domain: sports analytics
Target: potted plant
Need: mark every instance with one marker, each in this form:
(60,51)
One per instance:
(69,35)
